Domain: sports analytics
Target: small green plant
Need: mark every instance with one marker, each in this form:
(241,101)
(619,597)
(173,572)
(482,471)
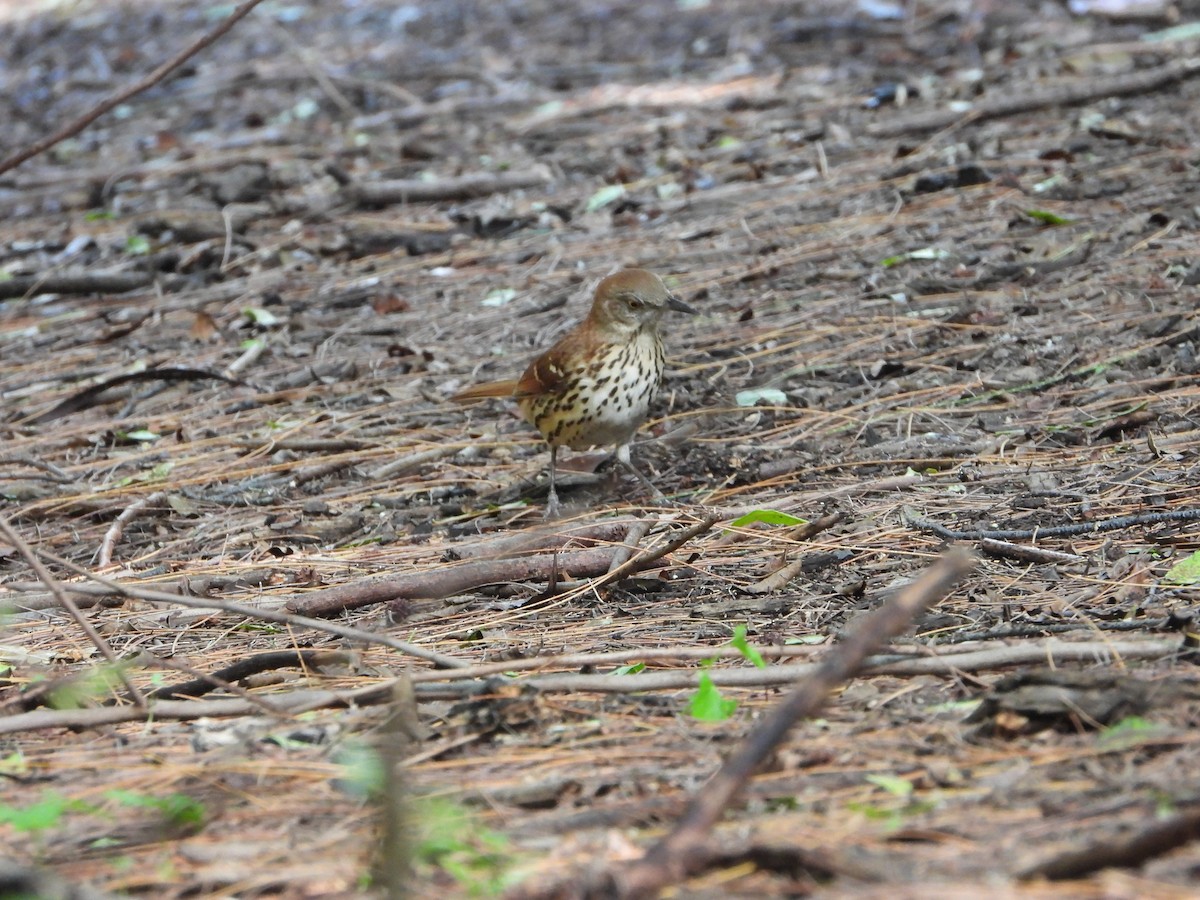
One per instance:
(892,813)
(1132,731)
(178,810)
(743,647)
(708,704)
(44,814)
(448,837)
(77,692)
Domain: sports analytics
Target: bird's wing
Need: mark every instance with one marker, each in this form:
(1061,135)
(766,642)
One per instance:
(545,376)
(552,372)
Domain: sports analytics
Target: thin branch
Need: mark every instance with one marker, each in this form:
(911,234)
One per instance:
(920,523)
(649,557)
(1136,849)
(1003,104)
(117,528)
(114,100)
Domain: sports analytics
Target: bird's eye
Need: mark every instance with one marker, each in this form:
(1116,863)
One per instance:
(636,302)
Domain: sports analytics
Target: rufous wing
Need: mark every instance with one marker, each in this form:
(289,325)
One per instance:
(552,372)
(544,377)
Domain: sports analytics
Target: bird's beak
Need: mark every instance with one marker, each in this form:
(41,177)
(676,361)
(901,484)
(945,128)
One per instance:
(678,305)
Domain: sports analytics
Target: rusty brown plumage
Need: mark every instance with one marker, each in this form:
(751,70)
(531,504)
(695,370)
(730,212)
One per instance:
(596,384)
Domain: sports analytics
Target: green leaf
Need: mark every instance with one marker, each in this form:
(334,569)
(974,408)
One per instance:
(771,395)
(1185,572)
(668,189)
(42,815)
(141,435)
(767,517)
(98,215)
(499,297)
(1132,731)
(740,643)
(923,253)
(14,764)
(1186,32)
(894,785)
(708,705)
(1047,218)
(259,316)
(305,108)
(363,774)
(137,245)
(608,194)
(630,669)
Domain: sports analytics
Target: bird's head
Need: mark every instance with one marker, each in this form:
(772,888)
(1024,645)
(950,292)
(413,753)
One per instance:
(633,299)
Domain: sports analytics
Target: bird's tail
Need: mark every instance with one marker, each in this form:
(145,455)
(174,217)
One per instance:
(484,391)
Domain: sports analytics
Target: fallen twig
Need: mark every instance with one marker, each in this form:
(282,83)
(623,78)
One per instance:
(555,534)
(633,537)
(448,581)
(650,556)
(1002,104)
(117,528)
(184,710)
(1024,553)
(1156,839)
(251,665)
(87,398)
(463,187)
(1051,652)
(913,520)
(413,461)
(114,100)
(456,579)
(84,283)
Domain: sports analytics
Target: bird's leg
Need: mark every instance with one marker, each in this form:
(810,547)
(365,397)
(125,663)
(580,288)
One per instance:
(624,459)
(552,499)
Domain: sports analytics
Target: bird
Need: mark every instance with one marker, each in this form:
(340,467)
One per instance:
(594,386)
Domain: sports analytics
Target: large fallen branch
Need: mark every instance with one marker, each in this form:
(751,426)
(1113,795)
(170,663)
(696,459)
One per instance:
(1073,93)
(449,581)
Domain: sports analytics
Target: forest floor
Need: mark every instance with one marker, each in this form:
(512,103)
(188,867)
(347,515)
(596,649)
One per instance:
(946,271)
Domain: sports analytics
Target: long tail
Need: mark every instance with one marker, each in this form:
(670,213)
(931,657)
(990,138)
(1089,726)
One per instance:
(484,391)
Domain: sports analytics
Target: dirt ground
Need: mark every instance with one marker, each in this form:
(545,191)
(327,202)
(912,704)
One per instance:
(946,270)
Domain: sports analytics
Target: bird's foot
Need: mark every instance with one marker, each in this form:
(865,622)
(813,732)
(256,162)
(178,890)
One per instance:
(553,507)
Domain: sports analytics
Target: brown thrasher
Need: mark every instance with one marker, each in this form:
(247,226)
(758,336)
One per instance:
(596,384)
